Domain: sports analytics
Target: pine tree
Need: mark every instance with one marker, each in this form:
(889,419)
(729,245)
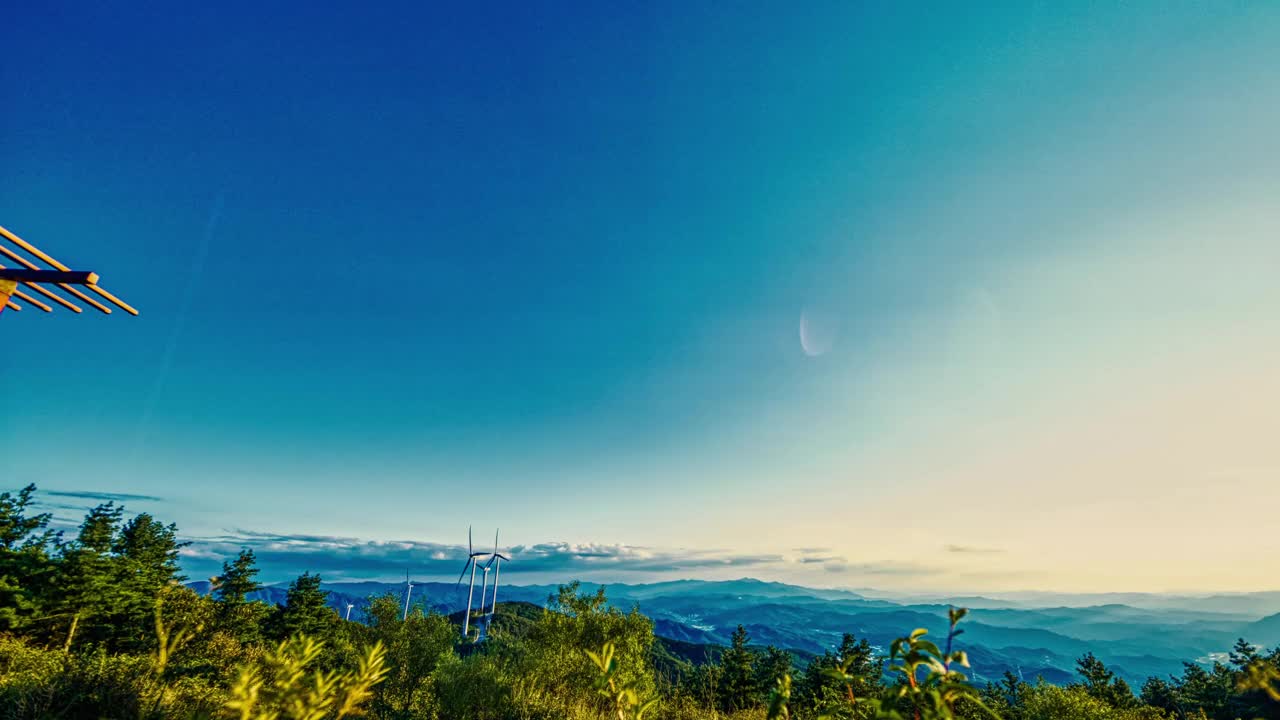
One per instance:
(738,679)
(1101,683)
(1007,698)
(89,578)
(26,567)
(146,556)
(235,614)
(306,608)
(817,689)
(1160,694)
(772,664)
(237,580)
(1243,654)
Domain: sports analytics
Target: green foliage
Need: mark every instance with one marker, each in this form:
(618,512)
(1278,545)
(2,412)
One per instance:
(929,688)
(1075,702)
(1264,677)
(145,559)
(416,646)
(25,564)
(236,614)
(779,697)
(89,581)
(738,679)
(283,683)
(306,610)
(833,683)
(624,699)
(1102,684)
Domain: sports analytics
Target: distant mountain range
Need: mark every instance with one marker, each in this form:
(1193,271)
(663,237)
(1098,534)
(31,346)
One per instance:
(1032,634)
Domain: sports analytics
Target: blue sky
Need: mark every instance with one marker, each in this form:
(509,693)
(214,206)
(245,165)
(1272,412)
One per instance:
(408,268)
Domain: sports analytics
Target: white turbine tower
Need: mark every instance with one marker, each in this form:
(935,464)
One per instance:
(408,592)
(496,561)
(484,585)
(471,586)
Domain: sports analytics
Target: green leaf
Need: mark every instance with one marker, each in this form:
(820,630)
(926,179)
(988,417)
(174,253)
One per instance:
(929,647)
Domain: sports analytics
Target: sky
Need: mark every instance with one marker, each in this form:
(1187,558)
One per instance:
(848,294)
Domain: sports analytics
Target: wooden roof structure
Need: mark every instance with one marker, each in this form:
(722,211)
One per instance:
(25,273)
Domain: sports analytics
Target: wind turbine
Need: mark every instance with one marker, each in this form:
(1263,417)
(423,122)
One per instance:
(472,564)
(496,561)
(408,592)
(349,606)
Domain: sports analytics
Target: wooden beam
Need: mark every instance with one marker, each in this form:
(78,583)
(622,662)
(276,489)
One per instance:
(32,266)
(49,276)
(36,251)
(53,296)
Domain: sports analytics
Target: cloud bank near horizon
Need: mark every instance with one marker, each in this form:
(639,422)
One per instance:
(284,556)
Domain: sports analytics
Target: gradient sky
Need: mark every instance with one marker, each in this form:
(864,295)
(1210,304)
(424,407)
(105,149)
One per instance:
(407,268)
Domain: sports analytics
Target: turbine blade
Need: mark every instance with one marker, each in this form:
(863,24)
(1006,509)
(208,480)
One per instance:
(464,571)
(495,542)
(470,550)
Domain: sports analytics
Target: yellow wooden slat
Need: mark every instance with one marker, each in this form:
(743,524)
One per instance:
(28,299)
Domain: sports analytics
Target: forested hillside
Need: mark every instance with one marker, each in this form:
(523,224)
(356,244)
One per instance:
(99,623)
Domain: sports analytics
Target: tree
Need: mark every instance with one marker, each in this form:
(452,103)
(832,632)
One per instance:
(1243,654)
(819,689)
(234,614)
(415,647)
(1101,683)
(146,558)
(552,656)
(1074,702)
(1160,694)
(1207,690)
(238,579)
(26,567)
(771,665)
(89,578)
(738,688)
(306,610)
(1007,698)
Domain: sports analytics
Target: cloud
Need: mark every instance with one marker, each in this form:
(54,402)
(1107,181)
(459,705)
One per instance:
(103,496)
(61,506)
(881,569)
(973,550)
(282,556)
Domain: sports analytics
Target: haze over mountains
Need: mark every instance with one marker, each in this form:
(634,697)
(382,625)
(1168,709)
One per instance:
(1029,633)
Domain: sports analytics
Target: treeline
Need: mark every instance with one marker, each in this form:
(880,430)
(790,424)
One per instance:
(100,625)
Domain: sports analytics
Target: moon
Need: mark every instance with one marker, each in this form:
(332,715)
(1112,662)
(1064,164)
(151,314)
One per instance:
(818,332)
